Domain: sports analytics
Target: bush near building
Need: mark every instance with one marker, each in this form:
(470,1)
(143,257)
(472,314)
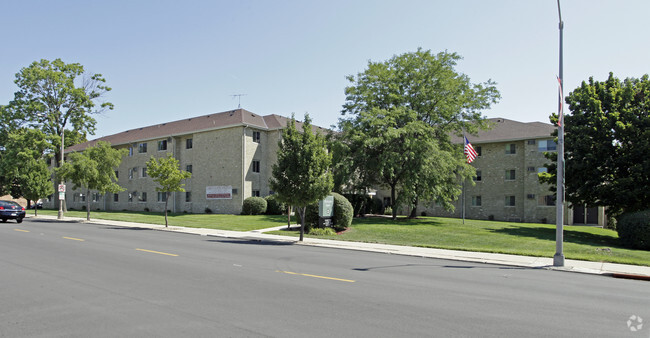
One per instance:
(273,206)
(343,214)
(634,229)
(254,206)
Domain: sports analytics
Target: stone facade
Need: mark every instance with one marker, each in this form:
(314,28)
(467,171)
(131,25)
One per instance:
(237,150)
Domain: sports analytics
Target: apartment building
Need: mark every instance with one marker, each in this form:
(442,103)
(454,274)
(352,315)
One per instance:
(506,186)
(230,155)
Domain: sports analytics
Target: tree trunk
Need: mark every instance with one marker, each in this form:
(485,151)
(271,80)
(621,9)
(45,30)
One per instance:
(302,222)
(88,205)
(166,201)
(392,201)
(414,211)
(289,218)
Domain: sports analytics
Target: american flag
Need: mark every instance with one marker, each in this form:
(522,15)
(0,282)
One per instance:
(470,153)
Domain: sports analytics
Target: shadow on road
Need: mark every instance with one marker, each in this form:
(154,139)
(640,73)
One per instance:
(250,241)
(478,266)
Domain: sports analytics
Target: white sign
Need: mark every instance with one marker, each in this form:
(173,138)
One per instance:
(61,195)
(218,192)
(61,187)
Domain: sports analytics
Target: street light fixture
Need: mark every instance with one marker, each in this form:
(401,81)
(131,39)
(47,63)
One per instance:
(558,258)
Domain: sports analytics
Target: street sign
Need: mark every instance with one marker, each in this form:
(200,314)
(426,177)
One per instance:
(61,196)
(61,187)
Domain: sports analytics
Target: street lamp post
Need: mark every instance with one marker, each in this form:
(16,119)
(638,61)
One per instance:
(60,215)
(558,258)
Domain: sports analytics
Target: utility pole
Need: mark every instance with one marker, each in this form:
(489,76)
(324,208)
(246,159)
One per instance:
(558,258)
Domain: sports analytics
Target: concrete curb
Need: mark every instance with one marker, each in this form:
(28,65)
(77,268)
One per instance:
(586,267)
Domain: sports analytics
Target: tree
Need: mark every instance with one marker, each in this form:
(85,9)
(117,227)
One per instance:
(398,119)
(301,176)
(52,96)
(607,137)
(167,173)
(24,172)
(94,169)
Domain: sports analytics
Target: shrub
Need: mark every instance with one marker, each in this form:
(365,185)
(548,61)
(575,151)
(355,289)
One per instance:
(254,206)
(208,210)
(343,214)
(377,206)
(634,229)
(273,206)
(322,231)
(146,209)
(388,211)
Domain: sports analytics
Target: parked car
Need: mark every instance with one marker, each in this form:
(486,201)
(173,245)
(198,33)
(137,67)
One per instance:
(11,210)
(37,204)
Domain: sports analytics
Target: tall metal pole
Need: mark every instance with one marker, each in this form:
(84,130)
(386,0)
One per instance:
(558,258)
(60,215)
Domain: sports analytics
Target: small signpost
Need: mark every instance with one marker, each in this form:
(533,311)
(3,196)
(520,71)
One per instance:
(325,211)
(62,191)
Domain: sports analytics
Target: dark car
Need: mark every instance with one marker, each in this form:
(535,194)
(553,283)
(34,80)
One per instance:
(11,210)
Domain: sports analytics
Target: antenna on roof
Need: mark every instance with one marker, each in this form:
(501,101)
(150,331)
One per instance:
(239,98)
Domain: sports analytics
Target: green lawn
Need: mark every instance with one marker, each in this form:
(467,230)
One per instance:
(209,221)
(580,242)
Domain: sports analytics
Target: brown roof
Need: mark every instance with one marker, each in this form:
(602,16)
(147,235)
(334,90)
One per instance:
(232,118)
(508,130)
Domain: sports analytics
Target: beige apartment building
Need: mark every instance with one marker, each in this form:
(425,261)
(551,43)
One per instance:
(229,154)
(506,186)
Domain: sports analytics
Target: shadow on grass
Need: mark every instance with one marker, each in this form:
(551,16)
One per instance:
(400,221)
(570,236)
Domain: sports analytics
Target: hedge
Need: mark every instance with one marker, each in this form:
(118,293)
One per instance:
(254,206)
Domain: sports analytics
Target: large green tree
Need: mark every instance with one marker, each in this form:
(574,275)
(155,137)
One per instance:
(396,126)
(167,173)
(607,137)
(53,96)
(94,169)
(302,174)
(23,169)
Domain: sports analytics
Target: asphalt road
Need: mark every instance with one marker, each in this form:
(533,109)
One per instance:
(85,280)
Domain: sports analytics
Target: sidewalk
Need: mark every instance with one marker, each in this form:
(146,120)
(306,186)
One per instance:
(599,268)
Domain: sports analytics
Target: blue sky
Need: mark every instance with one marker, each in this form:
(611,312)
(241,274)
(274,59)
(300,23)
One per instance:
(169,60)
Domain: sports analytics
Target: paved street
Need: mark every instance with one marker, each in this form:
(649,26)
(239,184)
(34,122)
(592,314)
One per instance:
(75,279)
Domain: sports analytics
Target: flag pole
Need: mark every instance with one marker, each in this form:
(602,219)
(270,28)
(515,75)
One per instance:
(558,258)
(463,194)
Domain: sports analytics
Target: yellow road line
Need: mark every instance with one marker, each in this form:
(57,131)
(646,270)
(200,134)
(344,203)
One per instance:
(21,230)
(157,252)
(75,239)
(316,276)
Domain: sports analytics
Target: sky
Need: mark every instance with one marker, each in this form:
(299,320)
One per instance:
(170,60)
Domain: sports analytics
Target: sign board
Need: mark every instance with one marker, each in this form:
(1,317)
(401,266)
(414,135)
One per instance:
(218,192)
(61,187)
(326,207)
(62,196)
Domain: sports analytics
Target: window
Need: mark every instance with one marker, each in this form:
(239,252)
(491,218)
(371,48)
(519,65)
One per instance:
(531,169)
(188,196)
(132,172)
(49,161)
(256,193)
(547,200)
(162,196)
(510,175)
(144,172)
(256,136)
(95,197)
(542,170)
(256,166)
(478,151)
(387,202)
(117,174)
(510,201)
(234,191)
(132,195)
(143,197)
(188,168)
(511,148)
(188,143)
(476,201)
(546,145)
(478,177)
(162,145)
(531,142)
(82,197)
(142,148)
(130,151)
(116,197)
